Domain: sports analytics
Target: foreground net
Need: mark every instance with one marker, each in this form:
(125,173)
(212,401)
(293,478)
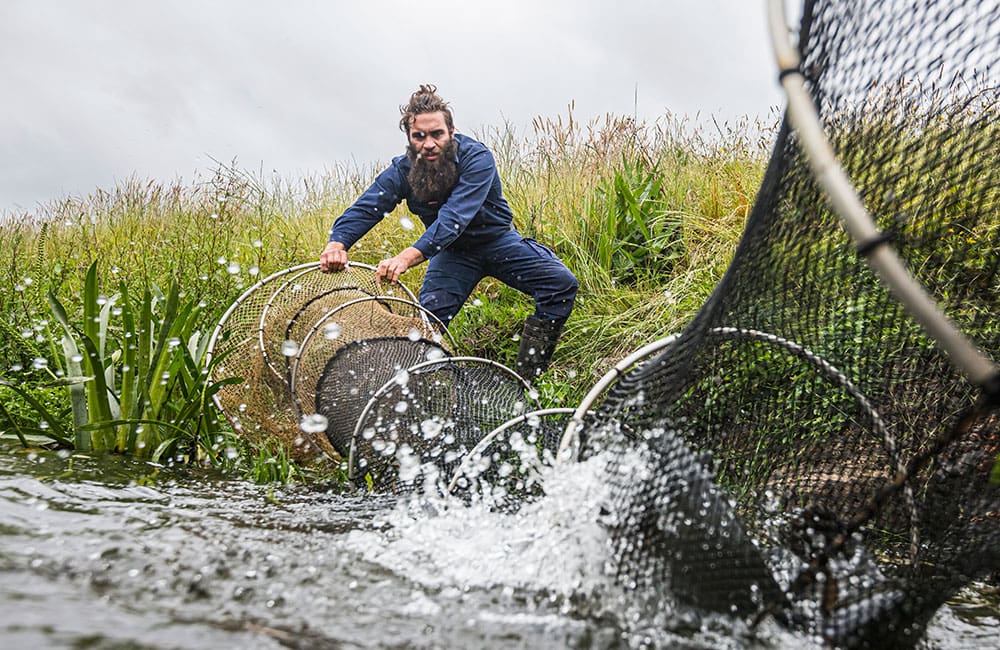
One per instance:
(803,448)
(416,428)
(260,333)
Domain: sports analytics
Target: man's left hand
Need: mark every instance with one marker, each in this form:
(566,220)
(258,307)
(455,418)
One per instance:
(389,270)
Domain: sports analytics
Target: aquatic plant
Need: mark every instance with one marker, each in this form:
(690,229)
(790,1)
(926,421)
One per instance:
(137,385)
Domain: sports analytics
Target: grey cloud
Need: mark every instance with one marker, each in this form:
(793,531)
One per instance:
(104,90)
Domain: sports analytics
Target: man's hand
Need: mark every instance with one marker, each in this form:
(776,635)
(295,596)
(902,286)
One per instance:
(389,270)
(333,257)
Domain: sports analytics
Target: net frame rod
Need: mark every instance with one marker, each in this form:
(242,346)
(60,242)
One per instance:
(569,445)
(804,118)
(309,267)
(489,437)
(387,386)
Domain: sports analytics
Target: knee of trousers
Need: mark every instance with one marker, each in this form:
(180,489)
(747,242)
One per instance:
(443,304)
(556,302)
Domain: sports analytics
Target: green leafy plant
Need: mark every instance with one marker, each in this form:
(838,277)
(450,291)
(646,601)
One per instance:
(138,386)
(629,231)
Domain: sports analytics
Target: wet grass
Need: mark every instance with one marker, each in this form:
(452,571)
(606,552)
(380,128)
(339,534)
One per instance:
(107,300)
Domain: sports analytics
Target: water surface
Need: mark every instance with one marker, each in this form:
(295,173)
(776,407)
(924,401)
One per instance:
(120,554)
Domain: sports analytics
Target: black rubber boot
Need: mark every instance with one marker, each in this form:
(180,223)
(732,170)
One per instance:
(538,341)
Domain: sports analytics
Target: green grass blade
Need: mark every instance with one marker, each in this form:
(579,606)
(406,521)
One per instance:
(55,430)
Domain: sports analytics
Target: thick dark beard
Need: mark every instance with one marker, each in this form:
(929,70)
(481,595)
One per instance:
(433,180)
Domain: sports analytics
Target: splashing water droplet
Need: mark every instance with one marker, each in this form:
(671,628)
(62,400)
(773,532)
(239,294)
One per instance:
(401,406)
(406,223)
(254,270)
(477,303)
(289,348)
(38,363)
(402,377)
(413,334)
(314,423)
(431,428)
(233,268)
(332,331)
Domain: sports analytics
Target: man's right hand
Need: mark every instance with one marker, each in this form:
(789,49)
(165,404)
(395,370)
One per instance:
(333,257)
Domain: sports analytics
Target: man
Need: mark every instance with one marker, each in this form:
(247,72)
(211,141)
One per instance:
(450,182)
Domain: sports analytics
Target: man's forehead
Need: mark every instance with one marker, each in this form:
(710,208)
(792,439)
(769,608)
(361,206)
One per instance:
(428,121)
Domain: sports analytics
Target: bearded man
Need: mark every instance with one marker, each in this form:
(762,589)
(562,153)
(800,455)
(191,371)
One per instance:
(450,182)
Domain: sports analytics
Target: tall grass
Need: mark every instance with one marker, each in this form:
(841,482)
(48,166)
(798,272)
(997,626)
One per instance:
(646,215)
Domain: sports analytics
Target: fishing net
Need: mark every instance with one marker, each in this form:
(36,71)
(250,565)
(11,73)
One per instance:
(803,448)
(353,374)
(504,469)
(258,335)
(416,428)
(377,320)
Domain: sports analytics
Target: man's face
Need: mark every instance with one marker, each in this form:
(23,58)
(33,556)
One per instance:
(429,135)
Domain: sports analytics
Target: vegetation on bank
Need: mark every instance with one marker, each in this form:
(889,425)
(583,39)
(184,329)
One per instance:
(108,301)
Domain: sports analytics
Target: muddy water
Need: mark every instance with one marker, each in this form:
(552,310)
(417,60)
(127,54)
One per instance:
(115,554)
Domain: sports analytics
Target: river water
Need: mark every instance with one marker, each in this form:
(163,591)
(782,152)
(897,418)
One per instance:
(120,554)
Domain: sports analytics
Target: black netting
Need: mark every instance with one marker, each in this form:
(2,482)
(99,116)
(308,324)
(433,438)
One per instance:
(804,448)
(420,426)
(504,469)
(355,372)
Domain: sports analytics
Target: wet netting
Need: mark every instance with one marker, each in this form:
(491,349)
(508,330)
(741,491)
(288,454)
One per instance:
(804,448)
(414,431)
(354,373)
(504,469)
(261,334)
(374,318)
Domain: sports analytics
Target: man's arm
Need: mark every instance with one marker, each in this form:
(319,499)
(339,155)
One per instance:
(378,200)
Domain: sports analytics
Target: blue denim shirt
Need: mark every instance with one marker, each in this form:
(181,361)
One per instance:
(474,212)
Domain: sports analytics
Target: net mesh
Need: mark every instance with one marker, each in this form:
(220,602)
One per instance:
(259,336)
(504,469)
(357,320)
(803,447)
(355,372)
(415,430)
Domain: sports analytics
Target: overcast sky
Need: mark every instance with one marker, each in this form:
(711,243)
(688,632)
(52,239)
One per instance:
(96,91)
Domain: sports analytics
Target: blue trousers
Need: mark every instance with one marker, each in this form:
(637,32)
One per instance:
(515,260)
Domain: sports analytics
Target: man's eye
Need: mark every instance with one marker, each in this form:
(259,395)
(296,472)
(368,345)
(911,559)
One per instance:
(436,134)
(418,135)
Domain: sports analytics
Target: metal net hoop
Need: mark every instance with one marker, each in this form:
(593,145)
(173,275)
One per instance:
(247,343)
(295,305)
(505,466)
(416,428)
